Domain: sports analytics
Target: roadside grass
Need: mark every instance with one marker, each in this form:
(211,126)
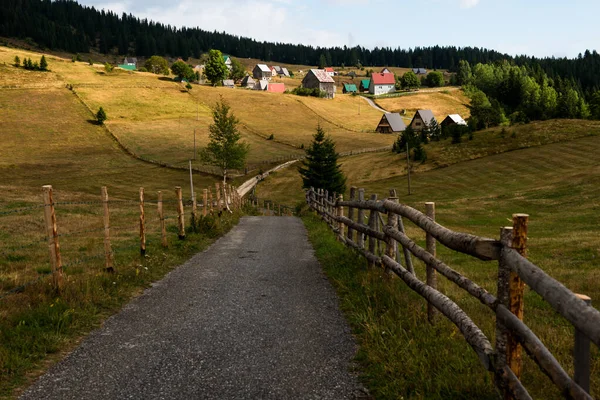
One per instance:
(558,186)
(441,103)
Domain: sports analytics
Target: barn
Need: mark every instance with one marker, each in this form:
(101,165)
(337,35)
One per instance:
(318,78)
(391,123)
(261,71)
(248,82)
(453,119)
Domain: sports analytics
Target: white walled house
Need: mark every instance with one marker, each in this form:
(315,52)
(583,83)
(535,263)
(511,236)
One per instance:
(382,83)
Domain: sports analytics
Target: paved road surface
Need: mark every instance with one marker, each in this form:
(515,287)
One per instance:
(253,317)
(372,104)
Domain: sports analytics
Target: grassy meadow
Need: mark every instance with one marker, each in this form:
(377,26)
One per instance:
(441,102)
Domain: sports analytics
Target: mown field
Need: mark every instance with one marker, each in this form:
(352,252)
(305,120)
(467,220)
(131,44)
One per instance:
(556,184)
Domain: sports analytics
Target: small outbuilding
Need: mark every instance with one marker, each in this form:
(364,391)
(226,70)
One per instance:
(276,87)
(422,119)
(261,84)
(391,123)
(228,83)
(364,85)
(330,71)
(261,71)
(420,71)
(349,88)
(319,78)
(285,72)
(248,82)
(453,119)
(130,61)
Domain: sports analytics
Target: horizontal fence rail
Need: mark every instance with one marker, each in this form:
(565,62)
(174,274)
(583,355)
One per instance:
(379,242)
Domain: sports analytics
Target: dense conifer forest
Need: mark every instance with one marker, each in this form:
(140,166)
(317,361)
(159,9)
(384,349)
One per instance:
(69,26)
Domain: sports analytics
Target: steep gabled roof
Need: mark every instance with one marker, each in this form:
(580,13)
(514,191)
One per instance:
(285,72)
(248,81)
(277,68)
(350,87)
(228,82)
(421,71)
(396,122)
(385,70)
(457,119)
(365,83)
(426,116)
(383,79)
(261,84)
(329,69)
(321,75)
(263,67)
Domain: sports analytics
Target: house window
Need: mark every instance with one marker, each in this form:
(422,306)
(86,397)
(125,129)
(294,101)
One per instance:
(417,124)
(380,87)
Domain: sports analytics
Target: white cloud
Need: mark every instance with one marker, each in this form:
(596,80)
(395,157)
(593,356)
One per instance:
(468,3)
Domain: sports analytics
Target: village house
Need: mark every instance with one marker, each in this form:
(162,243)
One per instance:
(349,88)
(130,61)
(382,83)
(228,83)
(227,60)
(420,71)
(385,71)
(330,71)
(261,84)
(248,82)
(285,72)
(391,123)
(261,71)
(318,78)
(276,88)
(453,119)
(273,72)
(422,119)
(364,85)
(277,69)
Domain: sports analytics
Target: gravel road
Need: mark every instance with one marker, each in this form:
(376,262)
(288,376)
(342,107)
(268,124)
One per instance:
(253,317)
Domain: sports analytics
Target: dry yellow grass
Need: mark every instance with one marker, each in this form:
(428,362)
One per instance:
(441,102)
(350,112)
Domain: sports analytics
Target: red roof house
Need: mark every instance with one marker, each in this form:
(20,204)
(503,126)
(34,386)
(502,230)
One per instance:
(382,83)
(330,71)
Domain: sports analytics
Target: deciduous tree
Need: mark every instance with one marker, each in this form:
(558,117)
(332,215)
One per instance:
(409,80)
(238,71)
(215,69)
(157,65)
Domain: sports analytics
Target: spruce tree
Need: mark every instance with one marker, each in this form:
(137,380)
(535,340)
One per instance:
(320,168)
(17,61)
(43,64)
(101,116)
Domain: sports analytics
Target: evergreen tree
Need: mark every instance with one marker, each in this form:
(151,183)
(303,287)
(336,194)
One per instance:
(320,168)
(322,61)
(224,149)
(435,130)
(215,69)
(101,116)
(43,64)
(17,61)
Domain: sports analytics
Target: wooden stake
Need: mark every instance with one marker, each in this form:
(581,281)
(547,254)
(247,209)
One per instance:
(180,219)
(431,272)
(194,213)
(373,220)
(218,195)
(279,212)
(503,295)
(391,245)
(108,254)
(340,213)
(52,233)
(142,224)
(210,200)
(161,217)
(581,354)
(204,202)
(517,290)
(350,234)
(360,240)
(408,166)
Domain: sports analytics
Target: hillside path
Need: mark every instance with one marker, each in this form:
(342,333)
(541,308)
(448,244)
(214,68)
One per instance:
(372,104)
(252,317)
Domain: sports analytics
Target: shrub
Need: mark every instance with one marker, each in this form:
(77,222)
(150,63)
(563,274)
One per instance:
(17,61)
(108,67)
(188,86)
(271,137)
(101,116)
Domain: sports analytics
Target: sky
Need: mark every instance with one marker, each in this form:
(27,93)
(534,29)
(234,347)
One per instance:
(533,27)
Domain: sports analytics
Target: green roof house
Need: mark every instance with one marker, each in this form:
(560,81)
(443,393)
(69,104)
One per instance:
(227,60)
(349,88)
(128,67)
(364,85)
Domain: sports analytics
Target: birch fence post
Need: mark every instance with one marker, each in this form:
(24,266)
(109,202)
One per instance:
(161,218)
(350,234)
(52,233)
(194,213)
(204,202)
(581,354)
(180,215)
(373,220)
(517,289)
(108,254)
(431,272)
(142,224)
(360,240)
(391,244)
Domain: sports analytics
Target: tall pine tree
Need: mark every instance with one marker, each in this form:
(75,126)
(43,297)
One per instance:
(320,168)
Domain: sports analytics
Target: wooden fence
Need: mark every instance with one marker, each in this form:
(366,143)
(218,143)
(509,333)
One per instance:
(514,271)
(215,200)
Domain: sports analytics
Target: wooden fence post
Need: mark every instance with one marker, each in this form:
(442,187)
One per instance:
(218,195)
(431,272)
(52,233)
(326,206)
(340,213)
(373,222)
(194,213)
(108,254)
(205,202)
(360,240)
(142,224)
(161,218)
(210,200)
(517,290)
(279,210)
(350,234)
(391,244)
(406,252)
(503,295)
(581,354)
(180,219)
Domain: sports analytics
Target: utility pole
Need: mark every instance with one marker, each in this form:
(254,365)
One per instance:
(194,144)
(192,182)
(408,166)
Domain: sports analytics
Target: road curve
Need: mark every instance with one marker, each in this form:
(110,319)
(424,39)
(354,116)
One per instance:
(253,317)
(372,104)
